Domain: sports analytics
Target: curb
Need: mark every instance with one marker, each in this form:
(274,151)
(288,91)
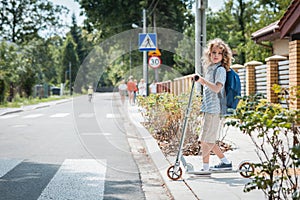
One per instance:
(178,189)
(11,111)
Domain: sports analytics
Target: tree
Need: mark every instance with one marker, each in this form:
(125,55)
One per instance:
(242,18)
(53,65)
(22,20)
(8,67)
(111,17)
(83,47)
(107,18)
(69,60)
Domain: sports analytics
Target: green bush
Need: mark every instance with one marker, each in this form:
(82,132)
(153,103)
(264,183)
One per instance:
(275,134)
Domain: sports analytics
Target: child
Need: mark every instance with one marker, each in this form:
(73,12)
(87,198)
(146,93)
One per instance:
(90,93)
(153,86)
(122,91)
(217,53)
(142,88)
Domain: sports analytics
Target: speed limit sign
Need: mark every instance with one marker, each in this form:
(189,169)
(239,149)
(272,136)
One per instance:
(154,62)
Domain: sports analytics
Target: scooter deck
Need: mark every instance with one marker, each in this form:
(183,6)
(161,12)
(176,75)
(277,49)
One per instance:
(213,172)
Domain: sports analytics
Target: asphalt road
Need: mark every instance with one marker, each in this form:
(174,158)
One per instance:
(74,150)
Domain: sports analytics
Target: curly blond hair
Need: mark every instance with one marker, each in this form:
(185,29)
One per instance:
(227,54)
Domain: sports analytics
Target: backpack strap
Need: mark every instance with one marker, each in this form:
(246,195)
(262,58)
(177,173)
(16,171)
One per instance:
(222,99)
(215,72)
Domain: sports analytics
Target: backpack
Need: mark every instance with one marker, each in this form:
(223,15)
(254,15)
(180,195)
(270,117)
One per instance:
(230,101)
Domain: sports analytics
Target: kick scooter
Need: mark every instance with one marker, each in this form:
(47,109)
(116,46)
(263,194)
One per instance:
(175,171)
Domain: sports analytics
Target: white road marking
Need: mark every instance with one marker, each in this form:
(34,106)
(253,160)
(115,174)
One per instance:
(7,164)
(60,115)
(33,116)
(94,133)
(112,116)
(20,125)
(86,115)
(77,179)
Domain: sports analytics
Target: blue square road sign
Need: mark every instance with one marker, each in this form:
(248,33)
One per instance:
(147,41)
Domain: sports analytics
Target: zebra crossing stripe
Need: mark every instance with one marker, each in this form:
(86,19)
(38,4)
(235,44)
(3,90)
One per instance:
(33,116)
(86,115)
(112,116)
(7,164)
(60,115)
(77,179)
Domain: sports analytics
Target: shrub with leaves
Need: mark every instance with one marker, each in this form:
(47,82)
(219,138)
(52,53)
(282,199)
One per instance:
(275,134)
(164,114)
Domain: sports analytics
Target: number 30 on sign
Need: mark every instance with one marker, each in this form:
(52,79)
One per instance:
(154,62)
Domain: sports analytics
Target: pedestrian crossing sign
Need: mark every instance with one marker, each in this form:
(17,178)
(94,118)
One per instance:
(147,41)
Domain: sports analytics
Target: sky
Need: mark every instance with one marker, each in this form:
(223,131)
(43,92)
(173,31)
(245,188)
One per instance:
(215,5)
(74,7)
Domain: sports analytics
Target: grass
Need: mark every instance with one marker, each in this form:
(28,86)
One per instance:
(19,102)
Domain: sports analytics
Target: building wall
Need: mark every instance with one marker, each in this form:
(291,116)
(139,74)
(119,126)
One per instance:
(281,47)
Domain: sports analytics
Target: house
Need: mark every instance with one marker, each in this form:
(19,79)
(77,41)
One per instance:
(281,32)
(284,35)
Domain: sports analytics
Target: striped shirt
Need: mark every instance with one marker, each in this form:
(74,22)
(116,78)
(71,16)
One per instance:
(211,101)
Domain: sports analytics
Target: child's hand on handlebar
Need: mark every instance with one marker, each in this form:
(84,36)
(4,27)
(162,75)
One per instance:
(200,79)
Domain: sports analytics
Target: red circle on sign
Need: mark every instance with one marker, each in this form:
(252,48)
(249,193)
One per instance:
(154,62)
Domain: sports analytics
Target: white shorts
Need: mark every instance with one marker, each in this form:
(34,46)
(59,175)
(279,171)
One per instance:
(210,128)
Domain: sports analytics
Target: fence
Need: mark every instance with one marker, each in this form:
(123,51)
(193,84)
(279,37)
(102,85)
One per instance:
(260,82)
(242,75)
(261,79)
(283,79)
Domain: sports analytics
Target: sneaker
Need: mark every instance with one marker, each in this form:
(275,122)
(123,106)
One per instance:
(221,166)
(204,172)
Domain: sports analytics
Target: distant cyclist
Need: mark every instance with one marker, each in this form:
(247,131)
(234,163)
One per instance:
(90,93)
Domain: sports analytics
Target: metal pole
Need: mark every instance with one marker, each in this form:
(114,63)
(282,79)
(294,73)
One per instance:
(200,37)
(70,77)
(130,57)
(154,25)
(145,65)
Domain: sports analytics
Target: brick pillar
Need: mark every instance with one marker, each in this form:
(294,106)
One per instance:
(294,72)
(272,76)
(250,76)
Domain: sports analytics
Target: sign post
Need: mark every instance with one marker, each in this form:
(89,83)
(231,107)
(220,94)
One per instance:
(154,62)
(147,42)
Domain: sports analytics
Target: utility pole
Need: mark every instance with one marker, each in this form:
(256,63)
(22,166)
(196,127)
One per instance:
(200,37)
(130,61)
(70,77)
(154,25)
(145,64)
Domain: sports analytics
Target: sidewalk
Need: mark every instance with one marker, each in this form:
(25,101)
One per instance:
(217,186)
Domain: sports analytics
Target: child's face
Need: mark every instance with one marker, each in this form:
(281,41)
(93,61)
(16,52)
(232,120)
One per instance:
(216,54)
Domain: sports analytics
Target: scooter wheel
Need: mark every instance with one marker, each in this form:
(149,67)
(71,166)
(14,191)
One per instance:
(174,175)
(246,169)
